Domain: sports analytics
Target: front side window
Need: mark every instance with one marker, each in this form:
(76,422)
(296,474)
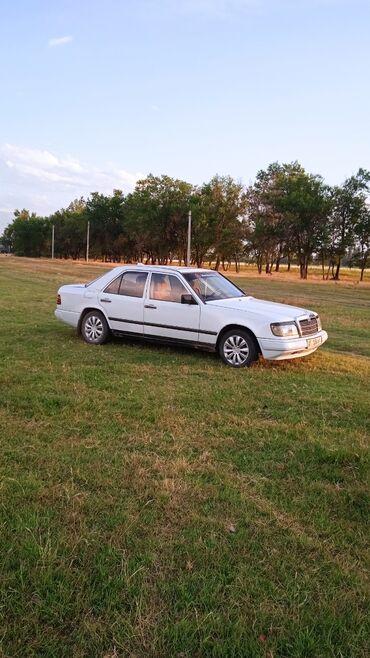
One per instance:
(130,284)
(167,288)
(211,285)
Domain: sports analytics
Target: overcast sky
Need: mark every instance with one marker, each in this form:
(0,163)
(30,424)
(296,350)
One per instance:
(97,93)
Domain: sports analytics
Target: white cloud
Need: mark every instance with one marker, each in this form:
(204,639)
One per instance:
(42,164)
(65,171)
(43,181)
(59,41)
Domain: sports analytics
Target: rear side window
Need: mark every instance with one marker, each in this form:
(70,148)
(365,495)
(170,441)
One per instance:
(130,284)
(133,284)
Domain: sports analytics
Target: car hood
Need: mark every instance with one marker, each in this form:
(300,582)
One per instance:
(274,311)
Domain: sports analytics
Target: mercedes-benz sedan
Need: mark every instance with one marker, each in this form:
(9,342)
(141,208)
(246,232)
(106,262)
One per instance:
(195,307)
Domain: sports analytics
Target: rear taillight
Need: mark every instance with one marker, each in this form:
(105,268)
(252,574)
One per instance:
(59,300)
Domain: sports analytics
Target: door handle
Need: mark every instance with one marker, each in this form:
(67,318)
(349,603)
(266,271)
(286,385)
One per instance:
(107,301)
(149,306)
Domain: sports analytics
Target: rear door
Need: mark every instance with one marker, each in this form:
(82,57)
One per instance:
(123,301)
(164,314)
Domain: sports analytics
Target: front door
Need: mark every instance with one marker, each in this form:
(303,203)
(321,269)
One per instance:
(164,314)
(123,301)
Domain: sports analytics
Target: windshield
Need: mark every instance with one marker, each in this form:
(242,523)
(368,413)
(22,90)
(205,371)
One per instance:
(211,286)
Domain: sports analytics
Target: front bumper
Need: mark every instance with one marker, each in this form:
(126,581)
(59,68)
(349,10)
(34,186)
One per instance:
(277,349)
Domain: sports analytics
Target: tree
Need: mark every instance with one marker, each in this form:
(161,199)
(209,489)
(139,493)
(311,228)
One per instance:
(304,202)
(348,212)
(157,214)
(288,210)
(267,234)
(223,208)
(70,230)
(202,237)
(362,237)
(27,234)
(106,215)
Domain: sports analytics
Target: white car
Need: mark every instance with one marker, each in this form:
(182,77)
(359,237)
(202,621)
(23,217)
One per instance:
(196,307)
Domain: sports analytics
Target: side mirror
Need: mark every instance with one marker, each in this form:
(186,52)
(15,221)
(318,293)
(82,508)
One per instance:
(187,298)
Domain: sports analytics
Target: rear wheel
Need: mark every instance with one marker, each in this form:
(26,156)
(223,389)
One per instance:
(238,349)
(94,328)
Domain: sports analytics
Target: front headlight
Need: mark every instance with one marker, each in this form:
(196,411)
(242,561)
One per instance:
(284,329)
(319,325)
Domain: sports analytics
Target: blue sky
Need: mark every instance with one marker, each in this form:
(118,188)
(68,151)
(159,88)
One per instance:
(97,93)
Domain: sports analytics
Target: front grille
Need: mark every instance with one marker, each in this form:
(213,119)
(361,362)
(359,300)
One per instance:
(309,326)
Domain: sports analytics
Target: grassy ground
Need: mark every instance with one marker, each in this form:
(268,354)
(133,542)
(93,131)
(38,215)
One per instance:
(155,503)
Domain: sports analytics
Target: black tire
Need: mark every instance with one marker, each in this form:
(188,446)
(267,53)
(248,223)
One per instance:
(94,328)
(237,348)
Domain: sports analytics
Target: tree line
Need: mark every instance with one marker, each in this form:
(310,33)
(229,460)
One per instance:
(287,215)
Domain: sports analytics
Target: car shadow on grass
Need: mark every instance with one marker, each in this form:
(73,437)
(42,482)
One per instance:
(150,350)
(166,349)
(201,356)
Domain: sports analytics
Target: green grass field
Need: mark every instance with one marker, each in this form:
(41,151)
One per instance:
(155,503)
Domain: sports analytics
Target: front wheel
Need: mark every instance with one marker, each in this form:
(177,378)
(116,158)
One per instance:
(238,349)
(94,328)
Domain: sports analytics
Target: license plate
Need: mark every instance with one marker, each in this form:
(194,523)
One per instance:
(313,342)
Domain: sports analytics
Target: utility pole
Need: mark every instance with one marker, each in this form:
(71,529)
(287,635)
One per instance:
(52,240)
(87,242)
(188,256)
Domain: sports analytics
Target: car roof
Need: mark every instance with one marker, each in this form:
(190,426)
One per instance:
(163,268)
(114,272)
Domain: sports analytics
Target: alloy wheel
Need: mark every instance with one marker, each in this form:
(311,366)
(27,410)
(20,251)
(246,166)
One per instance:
(93,328)
(236,350)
